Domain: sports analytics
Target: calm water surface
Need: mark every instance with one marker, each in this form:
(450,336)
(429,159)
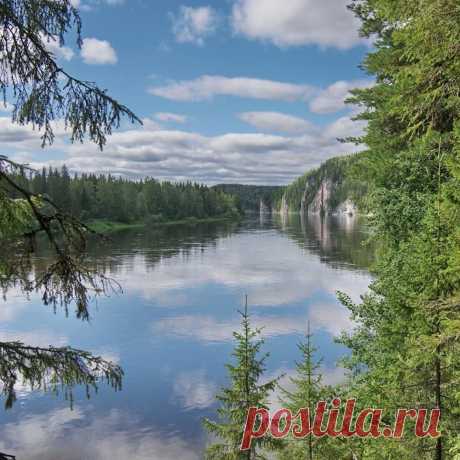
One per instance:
(171,331)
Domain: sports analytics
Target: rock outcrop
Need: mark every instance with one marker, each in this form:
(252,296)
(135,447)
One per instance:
(264,208)
(284,207)
(326,190)
(322,202)
(347,207)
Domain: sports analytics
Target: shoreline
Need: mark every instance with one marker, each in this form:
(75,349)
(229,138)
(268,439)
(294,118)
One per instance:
(107,226)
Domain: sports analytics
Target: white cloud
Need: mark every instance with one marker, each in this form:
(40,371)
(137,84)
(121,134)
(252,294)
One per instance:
(94,51)
(61,52)
(168,154)
(90,5)
(275,121)
(25,137)
(208,86)
(332,98)
(327,23)
(167,117)
(154,151)
(194,390)
(345,127)
(254,143)
(38,338)
(16,135)
(193,25)
(180,155)
(150,125)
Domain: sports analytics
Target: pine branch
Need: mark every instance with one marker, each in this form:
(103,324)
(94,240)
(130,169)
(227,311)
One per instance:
(43,91)
(53,369)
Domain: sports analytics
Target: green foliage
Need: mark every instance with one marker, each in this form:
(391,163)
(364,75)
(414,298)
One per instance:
(90,197)
(244,391)
(405,352)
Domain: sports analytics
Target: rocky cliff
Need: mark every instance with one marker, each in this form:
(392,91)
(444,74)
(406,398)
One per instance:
(329,189)
(321,201)
(324,201)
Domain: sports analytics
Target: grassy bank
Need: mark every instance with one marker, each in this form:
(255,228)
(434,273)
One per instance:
(107,226)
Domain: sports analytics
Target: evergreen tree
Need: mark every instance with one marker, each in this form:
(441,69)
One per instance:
(65,198)
(308,390)
(119,200)
(244,391)
(405,352)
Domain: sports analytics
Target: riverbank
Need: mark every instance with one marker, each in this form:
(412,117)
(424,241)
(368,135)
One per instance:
(107,226)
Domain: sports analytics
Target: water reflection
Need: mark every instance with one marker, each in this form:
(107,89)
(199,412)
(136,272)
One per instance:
(172,328)
(331,317)
(209,329)
(340,241)
(264,264)
(76,435)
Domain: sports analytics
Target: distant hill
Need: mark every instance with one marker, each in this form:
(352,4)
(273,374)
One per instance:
(250,196)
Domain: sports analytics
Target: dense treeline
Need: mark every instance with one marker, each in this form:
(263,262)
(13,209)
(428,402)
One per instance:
(250,196)
(90,197)
(340,171)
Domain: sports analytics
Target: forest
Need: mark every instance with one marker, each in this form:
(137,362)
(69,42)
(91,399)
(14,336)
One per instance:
(92,197)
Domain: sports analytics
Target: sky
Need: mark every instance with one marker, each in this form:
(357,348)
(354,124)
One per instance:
(230,91)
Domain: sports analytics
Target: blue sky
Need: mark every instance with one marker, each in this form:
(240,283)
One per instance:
(242,91)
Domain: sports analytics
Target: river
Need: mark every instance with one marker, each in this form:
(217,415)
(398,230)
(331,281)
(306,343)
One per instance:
(171,330)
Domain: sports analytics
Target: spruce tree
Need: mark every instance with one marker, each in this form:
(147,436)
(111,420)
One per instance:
(244,391)
(308,390)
